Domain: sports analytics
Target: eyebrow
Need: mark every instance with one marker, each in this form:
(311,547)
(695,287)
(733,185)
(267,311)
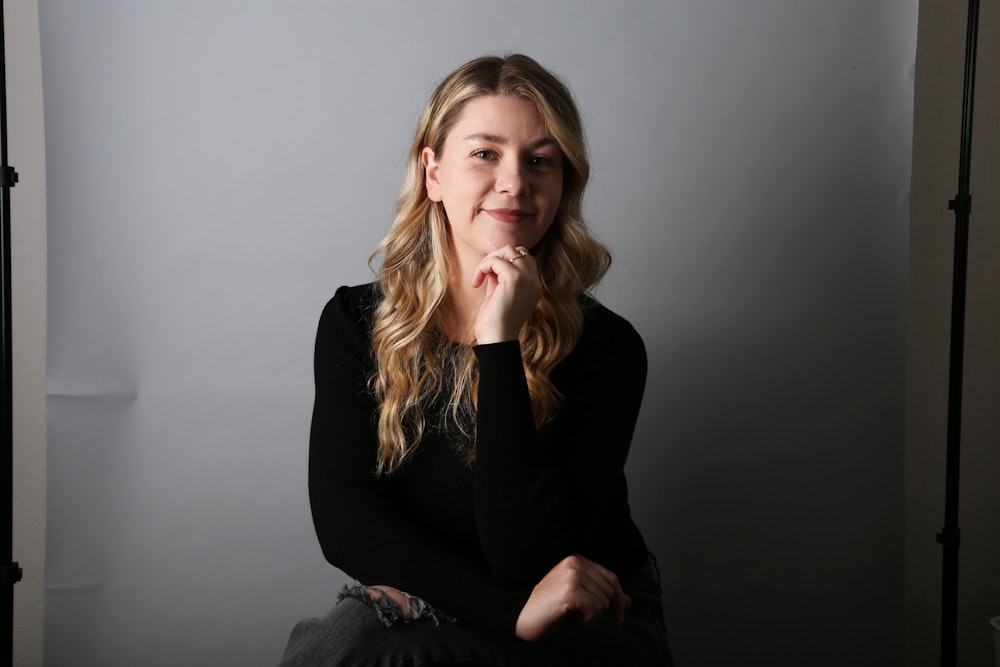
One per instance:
(496,139)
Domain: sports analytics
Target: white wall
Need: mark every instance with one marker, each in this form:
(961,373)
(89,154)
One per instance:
(217,168)
(26,153)
(937,128)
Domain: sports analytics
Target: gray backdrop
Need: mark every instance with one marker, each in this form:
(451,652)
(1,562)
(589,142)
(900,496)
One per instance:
(216,168)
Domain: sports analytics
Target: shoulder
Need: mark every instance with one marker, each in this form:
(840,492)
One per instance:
(353,303)
(602,327)
(608,362)
(347,317)
(609,345)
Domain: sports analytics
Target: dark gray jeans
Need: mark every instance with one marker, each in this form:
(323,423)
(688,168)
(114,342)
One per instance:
(354,633)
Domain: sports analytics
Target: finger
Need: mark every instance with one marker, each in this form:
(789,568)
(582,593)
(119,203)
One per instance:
(587,591)
(520,253)
(501,265)
(596,574)
(596,584)
(480,276)
(619,602)
(513,255)
(490,264)
(603,584)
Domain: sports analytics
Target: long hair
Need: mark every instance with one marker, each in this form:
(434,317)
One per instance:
(416,366)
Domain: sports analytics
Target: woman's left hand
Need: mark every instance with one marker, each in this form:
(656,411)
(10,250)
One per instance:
(576,591)
(513,287)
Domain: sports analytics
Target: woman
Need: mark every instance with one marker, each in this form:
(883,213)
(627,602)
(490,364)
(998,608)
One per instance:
(474,408)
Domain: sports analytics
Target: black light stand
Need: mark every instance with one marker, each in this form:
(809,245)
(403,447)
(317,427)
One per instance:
(949,537)
(10,572)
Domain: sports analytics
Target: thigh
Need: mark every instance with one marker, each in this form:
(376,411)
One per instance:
(336,639)
(605,643)
(353,634)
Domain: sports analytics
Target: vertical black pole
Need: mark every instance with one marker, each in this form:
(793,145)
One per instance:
(949,537)
(10,573)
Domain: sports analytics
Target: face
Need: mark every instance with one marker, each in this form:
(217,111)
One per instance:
(500,177)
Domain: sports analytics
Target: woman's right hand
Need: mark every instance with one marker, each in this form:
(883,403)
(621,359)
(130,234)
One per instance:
(513,287)
(576,591)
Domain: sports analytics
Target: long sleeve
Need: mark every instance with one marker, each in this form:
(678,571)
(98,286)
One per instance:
(541,495)
(359,528)
(473,542)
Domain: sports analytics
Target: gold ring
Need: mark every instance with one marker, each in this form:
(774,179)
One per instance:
(524,253)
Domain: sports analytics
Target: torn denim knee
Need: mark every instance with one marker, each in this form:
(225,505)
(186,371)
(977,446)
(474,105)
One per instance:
(389,611)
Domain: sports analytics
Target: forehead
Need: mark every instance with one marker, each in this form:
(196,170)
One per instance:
(513,119)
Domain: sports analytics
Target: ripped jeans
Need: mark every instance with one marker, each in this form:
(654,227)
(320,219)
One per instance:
(389,611)
(367,627)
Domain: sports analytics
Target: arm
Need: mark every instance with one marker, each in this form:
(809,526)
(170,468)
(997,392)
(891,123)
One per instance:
(542,495)
(359,530)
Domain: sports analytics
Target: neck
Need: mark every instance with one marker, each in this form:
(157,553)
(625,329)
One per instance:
(463,301)
(462,308)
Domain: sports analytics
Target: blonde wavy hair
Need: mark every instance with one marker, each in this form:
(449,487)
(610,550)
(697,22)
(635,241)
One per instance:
(420,375)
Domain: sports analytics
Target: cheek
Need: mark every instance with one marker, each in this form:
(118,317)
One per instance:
(466,185)
(555,192)
(555,183)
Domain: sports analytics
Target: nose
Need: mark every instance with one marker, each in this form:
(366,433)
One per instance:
(511,179)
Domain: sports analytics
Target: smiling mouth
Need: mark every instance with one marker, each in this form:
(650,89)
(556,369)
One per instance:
(508,214)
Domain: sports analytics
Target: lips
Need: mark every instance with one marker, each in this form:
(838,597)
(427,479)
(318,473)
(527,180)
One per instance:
(508,214)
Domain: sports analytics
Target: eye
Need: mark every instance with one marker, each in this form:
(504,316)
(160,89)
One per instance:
(484,154)
(540,161)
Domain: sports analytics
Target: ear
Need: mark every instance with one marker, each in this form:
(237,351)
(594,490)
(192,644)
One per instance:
(431,174)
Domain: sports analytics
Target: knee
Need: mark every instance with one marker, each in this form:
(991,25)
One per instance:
(336,639)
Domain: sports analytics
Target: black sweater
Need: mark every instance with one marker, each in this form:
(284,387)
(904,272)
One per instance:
(472,540)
